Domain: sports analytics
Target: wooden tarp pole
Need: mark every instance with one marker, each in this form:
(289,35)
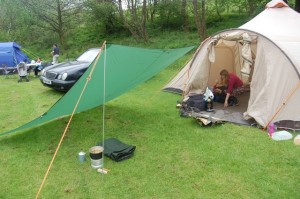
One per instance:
(70,119)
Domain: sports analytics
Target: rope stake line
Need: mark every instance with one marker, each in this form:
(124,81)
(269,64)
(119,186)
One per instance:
(70,119)
(103,107)
(283,104)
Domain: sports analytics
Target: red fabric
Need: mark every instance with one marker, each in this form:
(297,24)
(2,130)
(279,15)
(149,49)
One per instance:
(233,82)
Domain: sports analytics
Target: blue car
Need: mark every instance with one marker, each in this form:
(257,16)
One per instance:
(63,76)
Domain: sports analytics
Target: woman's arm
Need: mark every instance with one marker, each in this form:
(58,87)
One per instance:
(226,100)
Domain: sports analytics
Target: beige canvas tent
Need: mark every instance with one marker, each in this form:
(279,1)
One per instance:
(271,43)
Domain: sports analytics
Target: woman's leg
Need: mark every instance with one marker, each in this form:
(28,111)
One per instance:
(36,71)
(238,91)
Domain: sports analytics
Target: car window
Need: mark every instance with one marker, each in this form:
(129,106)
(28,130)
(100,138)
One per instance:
(88,56)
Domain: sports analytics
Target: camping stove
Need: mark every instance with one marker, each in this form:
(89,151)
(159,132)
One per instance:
(209,105)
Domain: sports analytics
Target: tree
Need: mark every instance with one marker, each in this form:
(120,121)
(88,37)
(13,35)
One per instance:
(200,22)
(54,15)
(102,16)
(13,20)
(297,5)
(135,23)
(217,8)
(251,6)
(152,7)
(185,16)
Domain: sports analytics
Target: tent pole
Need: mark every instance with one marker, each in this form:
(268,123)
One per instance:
(103,106)
(70,119)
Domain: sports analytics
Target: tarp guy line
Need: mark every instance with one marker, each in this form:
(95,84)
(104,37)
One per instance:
(103,107)
(283,104)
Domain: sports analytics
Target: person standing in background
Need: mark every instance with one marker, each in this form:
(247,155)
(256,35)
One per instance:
(55,54)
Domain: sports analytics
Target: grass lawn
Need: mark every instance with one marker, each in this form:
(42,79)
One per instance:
(174,158)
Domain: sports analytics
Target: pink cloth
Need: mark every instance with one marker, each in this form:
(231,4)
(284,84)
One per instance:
(234,82)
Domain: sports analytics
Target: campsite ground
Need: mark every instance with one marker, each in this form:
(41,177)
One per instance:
(175,157)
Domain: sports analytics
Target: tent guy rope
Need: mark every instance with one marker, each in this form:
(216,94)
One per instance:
(103,107)
(70,119)
(283,104)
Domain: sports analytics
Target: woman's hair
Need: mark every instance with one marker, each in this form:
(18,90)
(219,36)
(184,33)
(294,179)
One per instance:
(224,76)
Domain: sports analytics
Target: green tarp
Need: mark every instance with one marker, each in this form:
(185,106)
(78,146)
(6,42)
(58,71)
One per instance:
(126,67)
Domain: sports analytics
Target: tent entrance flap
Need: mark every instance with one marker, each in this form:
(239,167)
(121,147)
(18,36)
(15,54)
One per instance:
(234,51)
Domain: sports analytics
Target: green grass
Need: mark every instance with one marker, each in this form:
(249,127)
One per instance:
(174,158)
(22,102)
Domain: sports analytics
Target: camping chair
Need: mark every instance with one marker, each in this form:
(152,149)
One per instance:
(22,71)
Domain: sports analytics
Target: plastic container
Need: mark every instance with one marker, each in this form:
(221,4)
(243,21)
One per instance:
(271,129)
(81,156)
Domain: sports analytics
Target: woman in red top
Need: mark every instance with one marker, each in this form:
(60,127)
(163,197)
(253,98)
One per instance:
(234,84)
